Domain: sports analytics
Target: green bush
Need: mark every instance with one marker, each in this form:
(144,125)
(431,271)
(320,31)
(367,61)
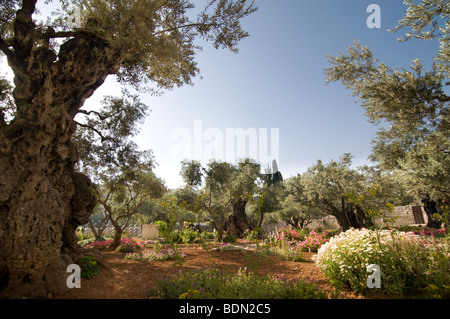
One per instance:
(130,245)
(153,255)
(410,264)
(207,235)
(89,267)
(282,251)
(214,284)
(251,235)
(188,235)
(228,238)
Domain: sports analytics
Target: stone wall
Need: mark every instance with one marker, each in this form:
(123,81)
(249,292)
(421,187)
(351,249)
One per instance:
(407,215)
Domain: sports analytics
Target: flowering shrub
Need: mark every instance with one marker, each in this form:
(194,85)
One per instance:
(423,231)
(100,245)
(287,234)
(409,263)
(214,284)
(127,244)
(304,239)
(431,232)
(313,242)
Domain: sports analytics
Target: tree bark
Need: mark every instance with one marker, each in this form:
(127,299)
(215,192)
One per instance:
(362,219)
(237,223)
(429,206)
(299,222)
(42,198)
(345,217)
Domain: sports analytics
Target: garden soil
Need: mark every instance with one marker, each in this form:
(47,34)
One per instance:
(128,279)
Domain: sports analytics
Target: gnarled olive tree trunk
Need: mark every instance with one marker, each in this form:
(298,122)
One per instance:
(42,198)
(238,223)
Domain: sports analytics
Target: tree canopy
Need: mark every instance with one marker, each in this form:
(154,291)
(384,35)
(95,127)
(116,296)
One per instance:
(409,106)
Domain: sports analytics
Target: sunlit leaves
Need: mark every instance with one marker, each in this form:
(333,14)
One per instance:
(428,20)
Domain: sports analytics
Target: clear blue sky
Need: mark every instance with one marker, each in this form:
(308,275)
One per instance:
(277,81)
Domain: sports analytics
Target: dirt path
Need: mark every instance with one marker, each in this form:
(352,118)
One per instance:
(127,279)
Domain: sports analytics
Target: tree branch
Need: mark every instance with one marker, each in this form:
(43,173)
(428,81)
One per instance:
(52,34)
(100,116)
(103,138)
(190,25)
(5,48)
(24,29)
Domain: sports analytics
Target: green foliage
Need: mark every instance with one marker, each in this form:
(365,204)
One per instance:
(426,20)
(297,208)
(123,174)
(372,206)
(214,284)
(89,267)
(129,245)
(207,235)
(191,172)
(251,235)
(153,255)
(7,108)
(156,38)
(188,235)
(174,211)
(283,251)
(223,184)
(229,238)
(79,232)
(162,226)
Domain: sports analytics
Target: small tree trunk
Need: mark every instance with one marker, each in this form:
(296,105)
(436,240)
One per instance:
(429,206)
(294,222)
(93,230)
(237,223)
(346,220)
(362,218)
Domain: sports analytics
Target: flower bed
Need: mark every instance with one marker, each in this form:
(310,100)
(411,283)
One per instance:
(409,264)
(127,244)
